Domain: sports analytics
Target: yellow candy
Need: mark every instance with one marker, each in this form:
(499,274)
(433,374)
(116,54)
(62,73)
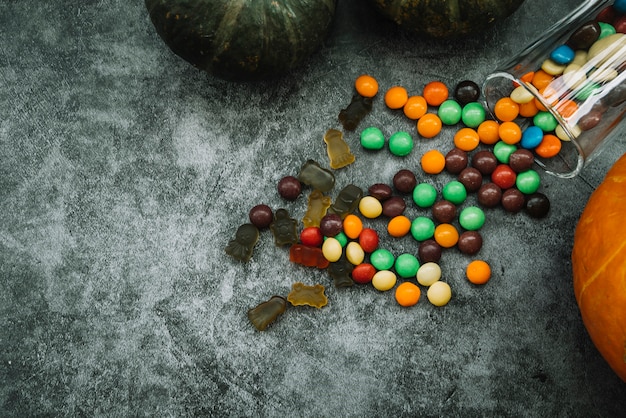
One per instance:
(354,253)
(521,95)
(384,280)
(439,293)
(552,68)
(331,249)
(428,273)
(370,207)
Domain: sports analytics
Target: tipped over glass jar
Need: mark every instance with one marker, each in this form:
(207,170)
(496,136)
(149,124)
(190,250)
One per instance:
(566,90)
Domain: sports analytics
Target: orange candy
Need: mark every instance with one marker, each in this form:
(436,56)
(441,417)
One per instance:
(541,79)
(488,132)
(466,139)
(415,107)
(366,85)
(399,226)
(396,97)
(549,146)
(435,93)
(566,107)
(446,235)
(352,226)
(433,162)
(506,109)
(528,110)
(478,272)
(429,125)
(407,294)
(510,132)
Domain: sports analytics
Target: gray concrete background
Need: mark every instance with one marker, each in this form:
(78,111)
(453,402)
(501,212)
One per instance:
(125,172)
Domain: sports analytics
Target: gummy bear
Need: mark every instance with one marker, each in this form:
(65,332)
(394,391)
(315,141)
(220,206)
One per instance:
(307,256)
(312,174)
(347,200)
(358,108)
(284,228)
(266,312)
(246,238)
(337,149)
(302,294)
(317,207)
(340,272)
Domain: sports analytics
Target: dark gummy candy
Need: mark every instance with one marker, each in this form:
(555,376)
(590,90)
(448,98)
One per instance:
(340,271)
(346,201)
(317,206)
(266,312)
(314,175)
(284,228)
(302,294)
(242,245)
(351,116)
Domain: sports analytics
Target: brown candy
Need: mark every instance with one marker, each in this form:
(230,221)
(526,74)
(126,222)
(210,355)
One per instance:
(394,206)
(521,160)
(470,242)
(513,200)
(471,178)
(331,224)
(489,195)
(584,36)
(404,181)
(261,216)
(428,251)
(444,211)
(380,191)
(484,161)
(456,160)
(289,187)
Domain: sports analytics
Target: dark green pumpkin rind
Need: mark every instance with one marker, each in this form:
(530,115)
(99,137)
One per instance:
(446,18)
(242,39)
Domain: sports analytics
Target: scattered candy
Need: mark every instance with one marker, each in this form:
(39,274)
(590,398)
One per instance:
(401,144)
(384,280)
(439,293)
(302,294)
(407,294)
(428,273)
(478,272)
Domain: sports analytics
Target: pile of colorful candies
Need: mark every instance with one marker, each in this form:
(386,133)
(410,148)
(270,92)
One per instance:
(492,158)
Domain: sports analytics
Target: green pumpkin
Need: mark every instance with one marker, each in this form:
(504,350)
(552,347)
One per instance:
(242,39)
(446,18)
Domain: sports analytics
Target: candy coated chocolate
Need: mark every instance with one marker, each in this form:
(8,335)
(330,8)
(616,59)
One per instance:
(394,206)
(489,195)
(521,160)
(261,216)
(537,205)
(471,178)
(289,188)
(466,91)
(584,36)
(404,181)
(484,161)
(380,191)
(444,211)
(513,200)
(456,160)
(470,242)
(429,251)
(590,120)
(331,224)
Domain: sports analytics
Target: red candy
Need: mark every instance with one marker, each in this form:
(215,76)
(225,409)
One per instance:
(504,176)
(363,273)
(312,236)
(368,240)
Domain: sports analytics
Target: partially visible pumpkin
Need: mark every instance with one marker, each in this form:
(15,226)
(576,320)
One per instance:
(446,18)
(243,39)
(599,267)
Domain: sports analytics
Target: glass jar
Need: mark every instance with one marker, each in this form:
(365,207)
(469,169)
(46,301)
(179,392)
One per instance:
(569,84)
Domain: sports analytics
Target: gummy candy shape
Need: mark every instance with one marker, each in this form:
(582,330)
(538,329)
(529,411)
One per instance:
(337,149)
(284,228)
(346,201)
(359,107)
(307,256)
(312,174)
(317,207)
(246,238)
(340,272)
(302,294)
(266,312)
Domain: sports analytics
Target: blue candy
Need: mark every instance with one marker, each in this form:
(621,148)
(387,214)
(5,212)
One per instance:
(562,55)
(531,137)
(620,6)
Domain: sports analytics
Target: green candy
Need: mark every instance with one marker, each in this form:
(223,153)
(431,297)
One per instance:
(503,151)
(472,218)
(528,181)
(422,228)
(473,114)
(586,91)
(372,138)
(455,192)
(382,259)
(401,144)
(606,29)
(424,195)
(406,265)
(545,121)
(450,112)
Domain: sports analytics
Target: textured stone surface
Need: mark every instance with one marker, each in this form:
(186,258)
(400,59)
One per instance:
(125,172)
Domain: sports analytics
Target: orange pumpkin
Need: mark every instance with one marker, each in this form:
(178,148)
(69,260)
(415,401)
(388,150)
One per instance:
(599,267)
